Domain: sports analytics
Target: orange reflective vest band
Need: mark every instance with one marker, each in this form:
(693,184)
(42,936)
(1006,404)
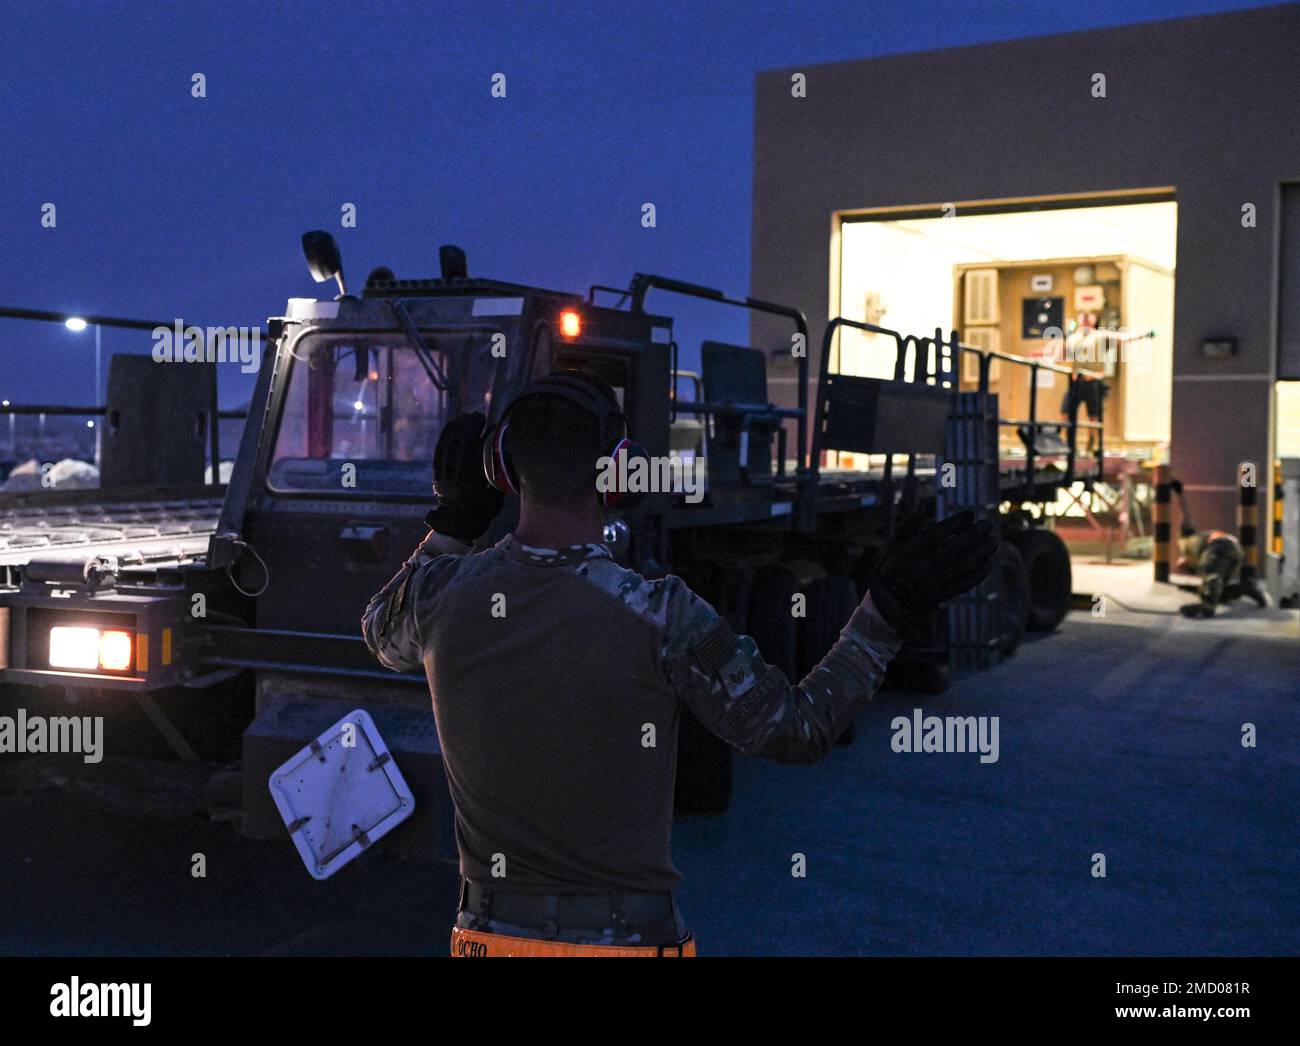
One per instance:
(476,944)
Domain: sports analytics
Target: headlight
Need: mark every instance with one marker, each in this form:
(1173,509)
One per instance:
(90,649)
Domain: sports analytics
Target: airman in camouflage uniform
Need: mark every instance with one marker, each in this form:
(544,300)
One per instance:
(720,676)
(577,802)
(558,679)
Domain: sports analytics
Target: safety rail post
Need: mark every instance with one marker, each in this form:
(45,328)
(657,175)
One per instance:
(1101,440)
(805,469)
(939,372)
(1070,388)
(1160,476)
(1032,443)
(819,408)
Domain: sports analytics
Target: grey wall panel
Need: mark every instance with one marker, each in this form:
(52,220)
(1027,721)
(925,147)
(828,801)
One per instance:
(1288,282)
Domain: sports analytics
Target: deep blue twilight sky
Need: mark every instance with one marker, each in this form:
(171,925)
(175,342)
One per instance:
(174,206)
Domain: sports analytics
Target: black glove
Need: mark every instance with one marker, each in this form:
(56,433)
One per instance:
(467,502)
(925,566)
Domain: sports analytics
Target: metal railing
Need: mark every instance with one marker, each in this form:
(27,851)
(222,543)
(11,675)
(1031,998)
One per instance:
(935,362)
(1075,379)
(749,413)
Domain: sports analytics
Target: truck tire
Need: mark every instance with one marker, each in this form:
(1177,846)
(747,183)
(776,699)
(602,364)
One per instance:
(1047,565)
(1013,597)
(703,769)
(831,602)
(935,678)
(919,677)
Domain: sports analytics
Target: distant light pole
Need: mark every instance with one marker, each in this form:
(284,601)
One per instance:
(77,324)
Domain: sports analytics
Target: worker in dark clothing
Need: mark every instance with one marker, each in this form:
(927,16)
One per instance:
(559,678)
(1217,558)
(1089,393)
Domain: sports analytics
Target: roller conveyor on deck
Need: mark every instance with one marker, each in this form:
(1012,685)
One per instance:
(143,529)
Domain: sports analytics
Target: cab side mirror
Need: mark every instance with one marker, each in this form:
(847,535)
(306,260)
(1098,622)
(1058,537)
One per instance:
(323,258)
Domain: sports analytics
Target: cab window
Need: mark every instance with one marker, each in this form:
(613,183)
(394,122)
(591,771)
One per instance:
(362,415)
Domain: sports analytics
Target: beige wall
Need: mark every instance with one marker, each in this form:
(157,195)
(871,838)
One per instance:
(1204,105)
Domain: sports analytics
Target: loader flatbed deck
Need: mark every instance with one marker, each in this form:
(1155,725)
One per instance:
(148,529)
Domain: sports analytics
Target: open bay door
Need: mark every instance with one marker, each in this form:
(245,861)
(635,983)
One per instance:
(1146,370)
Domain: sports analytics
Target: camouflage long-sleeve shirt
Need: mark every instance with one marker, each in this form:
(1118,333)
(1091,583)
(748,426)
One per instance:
(557,679)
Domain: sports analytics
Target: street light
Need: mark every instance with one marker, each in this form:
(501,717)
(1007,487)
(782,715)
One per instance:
(77,324)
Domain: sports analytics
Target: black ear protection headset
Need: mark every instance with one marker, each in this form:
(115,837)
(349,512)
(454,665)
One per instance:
(590,393)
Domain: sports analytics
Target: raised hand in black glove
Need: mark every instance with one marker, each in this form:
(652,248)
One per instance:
(467,503)
(924,566)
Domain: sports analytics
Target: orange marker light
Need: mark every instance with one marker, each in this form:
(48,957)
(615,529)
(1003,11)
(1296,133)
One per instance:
(570,323)
(115,651)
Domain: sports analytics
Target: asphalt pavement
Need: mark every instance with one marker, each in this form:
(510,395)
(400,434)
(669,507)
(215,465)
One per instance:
(1113,740)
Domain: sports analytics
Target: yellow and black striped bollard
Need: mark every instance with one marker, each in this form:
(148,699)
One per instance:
(1160,521)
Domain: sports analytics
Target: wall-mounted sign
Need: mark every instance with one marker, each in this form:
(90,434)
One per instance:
(1041,283)
(1218,348)
(1090,298)
(1040,314)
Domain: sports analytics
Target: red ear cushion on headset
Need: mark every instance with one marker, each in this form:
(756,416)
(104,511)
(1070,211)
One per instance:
(622,498)
(495,466)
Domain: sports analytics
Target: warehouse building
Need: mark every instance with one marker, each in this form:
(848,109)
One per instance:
(1127,198)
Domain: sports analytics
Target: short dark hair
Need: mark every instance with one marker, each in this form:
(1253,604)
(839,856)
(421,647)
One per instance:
(553,446)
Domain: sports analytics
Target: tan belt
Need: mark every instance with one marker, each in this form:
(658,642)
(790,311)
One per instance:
(477,944)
